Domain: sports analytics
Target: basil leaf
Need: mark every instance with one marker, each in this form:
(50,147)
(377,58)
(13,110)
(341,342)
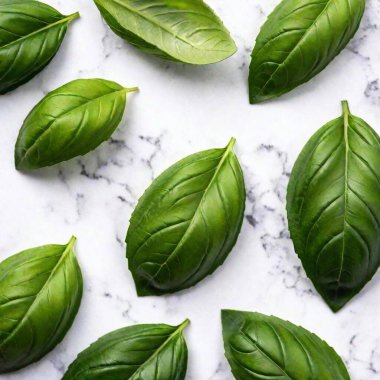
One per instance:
(187,222)
(70,121)
(333,205)
(140,352)
(30,35)
(298,40)
(179,30)
(40,294)
(260,347)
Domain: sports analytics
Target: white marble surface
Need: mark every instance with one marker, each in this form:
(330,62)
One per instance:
(181,110)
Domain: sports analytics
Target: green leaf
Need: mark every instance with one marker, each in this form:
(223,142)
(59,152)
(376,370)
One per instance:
(30,35)
(298,40)
(187,222)
(140,352)
(179,30)
(40,294)
(333,205)
(259,347)
(70,121)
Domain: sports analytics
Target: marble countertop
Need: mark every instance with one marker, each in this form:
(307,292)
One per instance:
(180,110)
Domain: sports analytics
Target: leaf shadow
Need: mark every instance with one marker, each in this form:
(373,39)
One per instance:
(197,74)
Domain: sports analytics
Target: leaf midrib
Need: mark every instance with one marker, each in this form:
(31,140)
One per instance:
(47,27)
(228,150)
(347,148)
(167,30)
(66,251)
(306,34)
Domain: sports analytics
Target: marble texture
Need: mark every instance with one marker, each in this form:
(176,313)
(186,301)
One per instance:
(181,110)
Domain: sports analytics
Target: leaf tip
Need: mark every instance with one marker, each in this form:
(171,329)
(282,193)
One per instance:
(226,315)
(233,46)
(334,307)
(21,164)
(256,99)
(17,158)
(336,302)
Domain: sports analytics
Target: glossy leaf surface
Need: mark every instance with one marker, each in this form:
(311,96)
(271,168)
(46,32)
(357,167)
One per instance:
(333,207)
(31,33)
(187,222)
(140,352)
(70,121)
(298,40)
(181,30)
(259,347)
(40,294)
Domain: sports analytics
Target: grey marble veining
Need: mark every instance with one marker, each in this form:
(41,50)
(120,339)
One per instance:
(180,110)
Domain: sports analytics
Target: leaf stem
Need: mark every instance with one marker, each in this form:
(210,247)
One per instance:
(72,16)
(231,144)
(345,107)
(132,89)
(184,324)
(72,242)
